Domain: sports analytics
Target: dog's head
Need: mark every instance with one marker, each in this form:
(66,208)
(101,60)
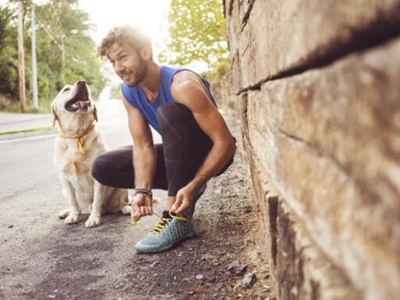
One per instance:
(73,106)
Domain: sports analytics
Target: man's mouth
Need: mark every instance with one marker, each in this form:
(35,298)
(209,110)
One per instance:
(125,76)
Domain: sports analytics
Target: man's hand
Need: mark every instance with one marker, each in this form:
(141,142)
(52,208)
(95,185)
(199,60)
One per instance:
(142,205)
(183,200)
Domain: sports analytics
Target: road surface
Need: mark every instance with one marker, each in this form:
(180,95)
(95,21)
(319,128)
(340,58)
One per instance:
(41,258)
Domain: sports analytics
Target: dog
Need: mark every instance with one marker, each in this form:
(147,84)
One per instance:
(77,145)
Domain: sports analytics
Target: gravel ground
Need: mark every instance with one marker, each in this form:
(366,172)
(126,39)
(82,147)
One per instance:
(224,261)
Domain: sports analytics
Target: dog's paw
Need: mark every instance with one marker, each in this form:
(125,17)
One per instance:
(72,219)
(63,214)
(156,200)
(92,222)
(126,210)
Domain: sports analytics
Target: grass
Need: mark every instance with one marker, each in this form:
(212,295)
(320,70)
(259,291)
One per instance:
(25,130)
(44,108)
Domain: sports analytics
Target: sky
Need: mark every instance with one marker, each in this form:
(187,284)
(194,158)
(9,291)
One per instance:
(149,15)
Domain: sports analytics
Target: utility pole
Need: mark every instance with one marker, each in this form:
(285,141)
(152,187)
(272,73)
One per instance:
(34,73)
(21,63)
(62,59)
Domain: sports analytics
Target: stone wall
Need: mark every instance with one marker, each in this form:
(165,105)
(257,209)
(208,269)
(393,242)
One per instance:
(316,85)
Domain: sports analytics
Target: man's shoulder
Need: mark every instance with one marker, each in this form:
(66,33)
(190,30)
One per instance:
(169,72)
(184,74)
(176,75)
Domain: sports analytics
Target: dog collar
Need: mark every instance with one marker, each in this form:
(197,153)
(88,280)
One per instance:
(79,138)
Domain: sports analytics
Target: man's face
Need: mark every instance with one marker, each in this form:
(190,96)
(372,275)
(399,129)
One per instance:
(127,64)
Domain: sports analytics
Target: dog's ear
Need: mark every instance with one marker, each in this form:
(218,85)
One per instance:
(95,113)
(55,117)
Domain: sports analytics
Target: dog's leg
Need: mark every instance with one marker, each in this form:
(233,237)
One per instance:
(73,212)
(124,205)
(125,210)
(97,208)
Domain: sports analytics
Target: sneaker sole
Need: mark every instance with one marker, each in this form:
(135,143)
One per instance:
(167,247)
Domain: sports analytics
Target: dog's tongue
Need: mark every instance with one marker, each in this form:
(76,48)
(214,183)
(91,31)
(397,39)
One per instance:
(83,103)
(80,104)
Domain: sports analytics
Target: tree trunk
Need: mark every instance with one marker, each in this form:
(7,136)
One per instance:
(21,63)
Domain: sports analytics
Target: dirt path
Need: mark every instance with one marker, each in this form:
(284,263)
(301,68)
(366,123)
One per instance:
(222,262)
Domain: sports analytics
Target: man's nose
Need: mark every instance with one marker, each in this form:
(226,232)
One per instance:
(118,67)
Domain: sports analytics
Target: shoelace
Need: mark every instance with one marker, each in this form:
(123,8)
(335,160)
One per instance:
(162,225)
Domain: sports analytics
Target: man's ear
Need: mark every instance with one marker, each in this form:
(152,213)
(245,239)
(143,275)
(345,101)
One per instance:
(55,117)
(146,52)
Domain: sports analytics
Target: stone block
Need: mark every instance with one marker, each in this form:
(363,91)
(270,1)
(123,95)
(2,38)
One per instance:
(283,37)
(299,268)
(329,141)
(236,14)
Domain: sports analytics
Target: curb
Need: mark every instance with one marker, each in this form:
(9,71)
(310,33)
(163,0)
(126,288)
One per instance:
(25,134)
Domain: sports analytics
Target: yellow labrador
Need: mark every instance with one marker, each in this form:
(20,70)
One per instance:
(77,145)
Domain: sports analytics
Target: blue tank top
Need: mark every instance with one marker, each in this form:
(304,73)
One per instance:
(137,98)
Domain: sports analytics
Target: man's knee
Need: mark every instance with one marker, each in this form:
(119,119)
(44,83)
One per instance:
(100,169)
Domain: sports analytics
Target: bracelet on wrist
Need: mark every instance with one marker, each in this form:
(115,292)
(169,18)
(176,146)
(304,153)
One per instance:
(147,192)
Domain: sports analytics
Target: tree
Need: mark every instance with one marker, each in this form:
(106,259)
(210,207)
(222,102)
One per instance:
(197,33)
(8,53)
(65,52)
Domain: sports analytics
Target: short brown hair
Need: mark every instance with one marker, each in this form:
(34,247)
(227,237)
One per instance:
(124,35)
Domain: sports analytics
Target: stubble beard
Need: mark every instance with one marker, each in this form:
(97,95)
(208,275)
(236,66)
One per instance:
(138,75)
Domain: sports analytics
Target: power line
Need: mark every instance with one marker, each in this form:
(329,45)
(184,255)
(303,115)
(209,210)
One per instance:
(52,36)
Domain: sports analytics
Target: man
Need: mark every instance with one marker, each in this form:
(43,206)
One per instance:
(197,144)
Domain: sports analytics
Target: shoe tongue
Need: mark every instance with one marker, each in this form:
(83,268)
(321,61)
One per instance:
(166,214)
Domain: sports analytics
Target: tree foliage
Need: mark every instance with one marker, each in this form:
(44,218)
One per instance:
(197,33)
(65,52)
(8,53)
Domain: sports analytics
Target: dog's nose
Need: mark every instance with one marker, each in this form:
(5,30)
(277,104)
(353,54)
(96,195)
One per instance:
(81,82)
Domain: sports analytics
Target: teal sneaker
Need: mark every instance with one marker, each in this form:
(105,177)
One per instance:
(190,211)
(170,231)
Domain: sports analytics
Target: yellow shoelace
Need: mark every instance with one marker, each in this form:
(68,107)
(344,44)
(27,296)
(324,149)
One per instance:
(162,225)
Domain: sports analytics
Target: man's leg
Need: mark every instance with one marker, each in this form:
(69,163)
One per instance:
(115,168)
(185,146)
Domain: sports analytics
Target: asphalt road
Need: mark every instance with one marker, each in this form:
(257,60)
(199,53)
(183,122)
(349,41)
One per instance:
(40,257)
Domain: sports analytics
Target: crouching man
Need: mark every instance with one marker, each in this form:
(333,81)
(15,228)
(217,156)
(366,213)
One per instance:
(196,143)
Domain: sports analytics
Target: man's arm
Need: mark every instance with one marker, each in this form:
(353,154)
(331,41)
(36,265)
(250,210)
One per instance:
(144,160)
(188,89)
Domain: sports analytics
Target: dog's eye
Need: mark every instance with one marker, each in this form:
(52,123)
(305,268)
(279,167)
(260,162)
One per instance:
(66,89)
